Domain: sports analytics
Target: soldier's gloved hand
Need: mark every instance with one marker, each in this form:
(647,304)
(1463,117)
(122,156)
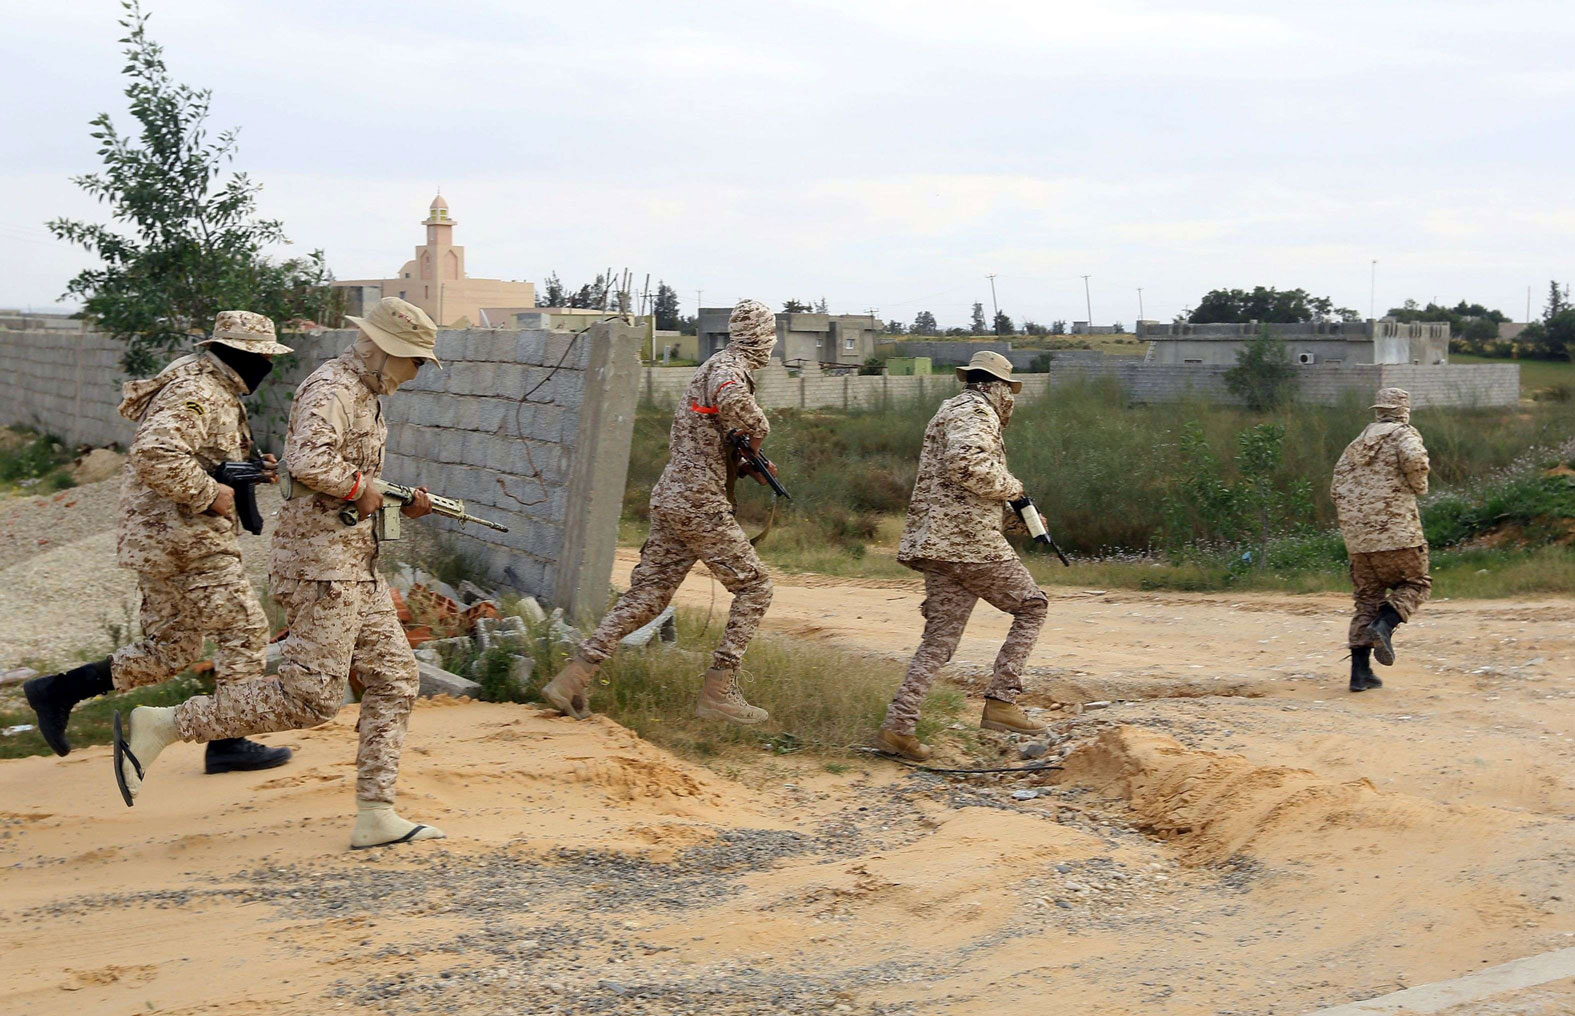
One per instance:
(370,501)
(224,502)
(271,463)
(422,505)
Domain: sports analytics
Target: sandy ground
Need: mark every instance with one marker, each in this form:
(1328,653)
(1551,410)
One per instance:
(1234,834)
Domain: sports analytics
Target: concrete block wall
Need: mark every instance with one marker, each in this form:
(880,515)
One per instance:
(1143,382)
(562,455)
(63,381)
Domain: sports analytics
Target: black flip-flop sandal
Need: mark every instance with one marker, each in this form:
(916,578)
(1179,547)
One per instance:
(123,753)
(392,843)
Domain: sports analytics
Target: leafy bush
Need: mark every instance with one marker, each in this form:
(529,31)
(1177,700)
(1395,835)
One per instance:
(1263,376)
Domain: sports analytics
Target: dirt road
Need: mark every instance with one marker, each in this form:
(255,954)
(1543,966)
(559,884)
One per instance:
(1232,834)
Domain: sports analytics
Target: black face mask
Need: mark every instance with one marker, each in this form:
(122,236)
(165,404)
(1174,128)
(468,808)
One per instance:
(252,367)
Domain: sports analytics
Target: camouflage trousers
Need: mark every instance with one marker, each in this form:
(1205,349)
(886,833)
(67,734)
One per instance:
(335,627)
(179,612)
(950,591)
(675,544)
(1396,577)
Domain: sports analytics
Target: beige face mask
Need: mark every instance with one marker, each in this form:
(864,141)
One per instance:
(386,373)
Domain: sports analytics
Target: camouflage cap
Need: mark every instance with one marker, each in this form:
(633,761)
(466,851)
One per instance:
(991,363)
(1392,398)
(399,329)
(752,325)
(241,329)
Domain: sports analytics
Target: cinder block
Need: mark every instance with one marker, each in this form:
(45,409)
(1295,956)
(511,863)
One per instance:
(531,347)
(491,413)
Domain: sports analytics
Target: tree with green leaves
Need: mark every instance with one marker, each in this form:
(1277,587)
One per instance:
(1264,376)
(1266,305)
(552,292)
(894,327)
(665,307)
(1003,324)
(976,321)
(193,243)
(795,307)
(924,324)
(821,307)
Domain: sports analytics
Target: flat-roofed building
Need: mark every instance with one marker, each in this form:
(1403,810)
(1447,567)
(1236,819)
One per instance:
(842,339)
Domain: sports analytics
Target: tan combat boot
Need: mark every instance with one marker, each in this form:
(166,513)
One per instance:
(1008,717)
(720,699)
(569,692)
(905,746)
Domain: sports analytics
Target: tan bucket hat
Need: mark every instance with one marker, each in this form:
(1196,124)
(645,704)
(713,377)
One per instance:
(1391,398)
(241,329)
(399,329)
(991,363)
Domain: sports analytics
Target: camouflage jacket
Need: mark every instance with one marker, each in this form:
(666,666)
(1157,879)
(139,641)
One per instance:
(1376,484)
(336,431)
(958,508)
(720,398)
(189,419)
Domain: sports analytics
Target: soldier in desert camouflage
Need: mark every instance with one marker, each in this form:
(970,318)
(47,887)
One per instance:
(692,519)
(325,575)
(178,531)
(953,535)
(1376,483)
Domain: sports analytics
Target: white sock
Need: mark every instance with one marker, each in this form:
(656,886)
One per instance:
(152,730)
(377,825)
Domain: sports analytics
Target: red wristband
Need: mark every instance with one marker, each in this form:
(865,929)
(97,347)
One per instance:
(351,496)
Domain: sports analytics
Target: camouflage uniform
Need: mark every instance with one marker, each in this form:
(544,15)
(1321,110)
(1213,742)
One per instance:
(188,561)
(1376,483)
(691,516)
(324,574)
(953,534)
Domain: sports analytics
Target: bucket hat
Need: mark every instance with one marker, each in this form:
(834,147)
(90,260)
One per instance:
(1392,398)
(399,329)
(991,363)
(241,329)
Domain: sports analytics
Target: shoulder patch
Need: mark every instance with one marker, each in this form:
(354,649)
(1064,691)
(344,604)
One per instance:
(194,407)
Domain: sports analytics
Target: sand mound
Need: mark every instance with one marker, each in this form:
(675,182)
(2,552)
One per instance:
(1214,805)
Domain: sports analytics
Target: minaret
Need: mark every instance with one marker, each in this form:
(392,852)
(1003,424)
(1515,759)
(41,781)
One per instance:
(440,228)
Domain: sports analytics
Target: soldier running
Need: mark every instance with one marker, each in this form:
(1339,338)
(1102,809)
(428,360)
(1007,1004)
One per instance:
(692,519)
(325,575)
(1376,484)
(953,535)
(178,531)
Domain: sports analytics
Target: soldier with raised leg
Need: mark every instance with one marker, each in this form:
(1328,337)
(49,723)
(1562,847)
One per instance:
(325,575)
(1376,483)
(178,530)
(692,520)
(954,535)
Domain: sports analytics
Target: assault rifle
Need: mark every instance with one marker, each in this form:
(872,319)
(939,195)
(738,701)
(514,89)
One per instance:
(387,521)
(1024,507)
(243,478)
(750,461)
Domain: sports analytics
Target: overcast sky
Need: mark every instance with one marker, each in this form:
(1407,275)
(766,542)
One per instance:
(877,153)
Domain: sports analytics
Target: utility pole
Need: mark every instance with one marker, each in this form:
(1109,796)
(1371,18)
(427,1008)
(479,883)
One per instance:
(993,305)
(1140,304)
(1372,294)
(1528,305)
(1088,302)
(699,294)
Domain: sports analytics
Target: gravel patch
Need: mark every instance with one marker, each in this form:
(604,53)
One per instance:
(61,592)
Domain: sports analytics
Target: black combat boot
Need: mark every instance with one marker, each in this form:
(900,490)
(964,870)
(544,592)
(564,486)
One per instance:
(1388,618)
(1362,676)
(53,696)
(238,755)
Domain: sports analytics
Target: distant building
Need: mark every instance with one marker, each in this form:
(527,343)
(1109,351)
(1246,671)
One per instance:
(821,338)
(435,281)
(1084,328)
(1330,343)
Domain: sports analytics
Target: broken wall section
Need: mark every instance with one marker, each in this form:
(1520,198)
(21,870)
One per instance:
(549,414)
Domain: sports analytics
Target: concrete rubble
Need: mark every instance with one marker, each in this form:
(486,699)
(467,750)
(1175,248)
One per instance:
(664,628)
